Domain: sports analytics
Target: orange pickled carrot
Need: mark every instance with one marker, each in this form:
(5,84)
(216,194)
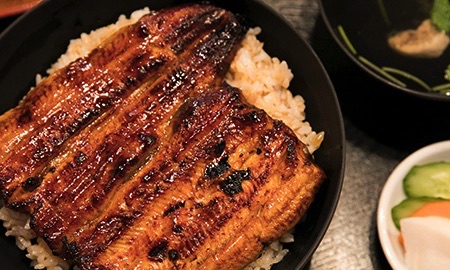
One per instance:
(438,208)
(401,240)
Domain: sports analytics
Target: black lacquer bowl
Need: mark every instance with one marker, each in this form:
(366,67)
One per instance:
(367,24)
(38,37)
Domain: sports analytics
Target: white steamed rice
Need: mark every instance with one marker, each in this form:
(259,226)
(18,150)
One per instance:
(264,81)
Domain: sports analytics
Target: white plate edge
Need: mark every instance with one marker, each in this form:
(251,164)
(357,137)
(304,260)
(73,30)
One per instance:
(385,225)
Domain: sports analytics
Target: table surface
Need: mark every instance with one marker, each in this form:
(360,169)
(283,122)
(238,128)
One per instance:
(382,127)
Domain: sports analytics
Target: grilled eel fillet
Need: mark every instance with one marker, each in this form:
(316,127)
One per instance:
(139,156)
(91,87)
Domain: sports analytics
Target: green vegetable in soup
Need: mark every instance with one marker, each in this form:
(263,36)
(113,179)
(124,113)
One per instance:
(447,73)
(440,15)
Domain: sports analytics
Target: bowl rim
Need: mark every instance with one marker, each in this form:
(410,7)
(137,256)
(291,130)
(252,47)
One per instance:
(392,194)
(344,48)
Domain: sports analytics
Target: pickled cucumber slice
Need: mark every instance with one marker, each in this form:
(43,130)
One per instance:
(429,180)
(407,207)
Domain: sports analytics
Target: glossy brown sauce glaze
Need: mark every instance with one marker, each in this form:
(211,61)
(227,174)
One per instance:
(71,98)
(154,162)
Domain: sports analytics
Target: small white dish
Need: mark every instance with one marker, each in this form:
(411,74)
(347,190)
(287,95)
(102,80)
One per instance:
(392,194)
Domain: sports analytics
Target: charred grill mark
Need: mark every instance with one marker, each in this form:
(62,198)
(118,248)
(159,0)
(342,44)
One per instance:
(89,114)
(227,36)
(149,176)
(158,251)
(31,183)
(143,30)
(233,183)
(110,229)
(258,151)
(70,247)
(123,166)
(192,119)
(177,80)
(147,68)
(80,158)
(173,255)
(291,150)
(25,117)
(253,117)
(193,26)
(215,214)
(105,232)
(219,148)
(147,139)
(130,81)
(174,208)
(215,170)
(184,112)
(177,229)
(198,205)
(189,24)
